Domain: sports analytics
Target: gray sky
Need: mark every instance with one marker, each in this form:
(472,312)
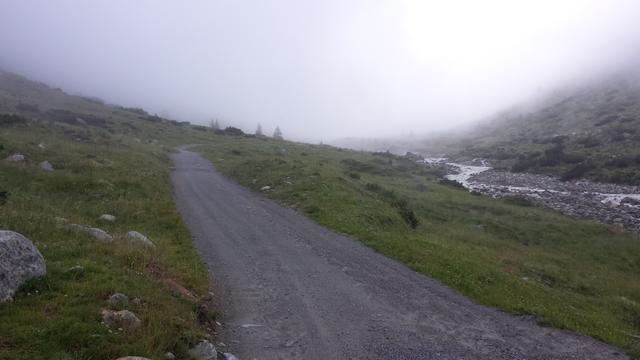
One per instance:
(319,69)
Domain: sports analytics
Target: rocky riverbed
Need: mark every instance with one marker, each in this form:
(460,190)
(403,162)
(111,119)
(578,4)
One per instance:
(616,205)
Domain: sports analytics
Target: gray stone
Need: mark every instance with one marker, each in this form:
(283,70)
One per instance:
(265,188)
(133,358)
(230,356)
(20,261)
(169,356)
(136,237)
(46,166)
(95,233)
(15,158)
(204,351)
(107,217)
(118,299)
(42,146)
(124,319)
(99,234)
(283,152)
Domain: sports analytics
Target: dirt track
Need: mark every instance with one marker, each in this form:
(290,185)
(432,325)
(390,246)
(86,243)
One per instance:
(288,288)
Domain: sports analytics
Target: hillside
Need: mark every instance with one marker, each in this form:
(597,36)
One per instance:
(586,131)
(509,253)
(105,160)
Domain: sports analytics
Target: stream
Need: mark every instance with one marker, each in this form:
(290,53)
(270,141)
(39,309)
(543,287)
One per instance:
(616,205)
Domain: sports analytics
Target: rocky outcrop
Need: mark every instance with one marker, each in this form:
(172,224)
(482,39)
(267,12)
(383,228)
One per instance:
(20,261)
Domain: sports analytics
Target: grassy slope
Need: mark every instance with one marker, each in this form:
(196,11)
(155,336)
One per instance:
(571,274)
(119,167)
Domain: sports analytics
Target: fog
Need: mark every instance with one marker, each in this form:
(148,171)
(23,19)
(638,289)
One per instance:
(318,69)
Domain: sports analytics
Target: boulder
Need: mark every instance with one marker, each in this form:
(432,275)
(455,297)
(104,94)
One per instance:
(138,238)
(15,158)
(107,217)
(124,319)
(20,261)
(169,356)
(204,351)
(46,166)
(265,188)
(230,356)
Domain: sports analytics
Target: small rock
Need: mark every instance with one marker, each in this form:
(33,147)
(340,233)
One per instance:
(99,234)
(15,158)
(107,217)
(169,356)
(78,269)
(81,121)
(46,166)
(60,220)
(118,299)
(204,351)
(120,319)
(136,302)
(230,356)
(283,152)
(265,188)
(136,237)
(20,261)
(133,358)
(42,146)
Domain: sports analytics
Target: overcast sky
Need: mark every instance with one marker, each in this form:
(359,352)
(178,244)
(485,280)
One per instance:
(320,69)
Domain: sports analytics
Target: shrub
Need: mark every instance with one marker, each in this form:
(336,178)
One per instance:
(452,183)
(577,171)
(28,107)
(519,200)
(233,131)
(10,120)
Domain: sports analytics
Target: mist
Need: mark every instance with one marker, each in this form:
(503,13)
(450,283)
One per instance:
(318,69)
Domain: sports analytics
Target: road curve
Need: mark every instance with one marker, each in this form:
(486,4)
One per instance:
(288,288)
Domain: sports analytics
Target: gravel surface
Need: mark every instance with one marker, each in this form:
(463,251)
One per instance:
(288,288)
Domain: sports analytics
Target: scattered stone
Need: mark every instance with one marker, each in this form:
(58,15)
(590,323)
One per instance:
(204,351)
(283,152)
(42,146)
(118,299)
(169,356)
(133,358)
(81,121)
(99,234)
(230,356)
(77,269)
(15,158)
(136,237)
(46,166)
(265,188)
(124,319)
(60,220)
(136,302)
(20,261)
(107,217)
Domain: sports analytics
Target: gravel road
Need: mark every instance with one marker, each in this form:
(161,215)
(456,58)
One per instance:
(288,288)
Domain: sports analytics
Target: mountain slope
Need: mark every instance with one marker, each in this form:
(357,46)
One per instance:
(590,131)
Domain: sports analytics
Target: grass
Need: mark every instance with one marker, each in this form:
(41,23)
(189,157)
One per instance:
(58,316)
(572,274)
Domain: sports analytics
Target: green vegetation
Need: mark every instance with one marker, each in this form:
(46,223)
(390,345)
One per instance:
(510,254)
(111,161)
